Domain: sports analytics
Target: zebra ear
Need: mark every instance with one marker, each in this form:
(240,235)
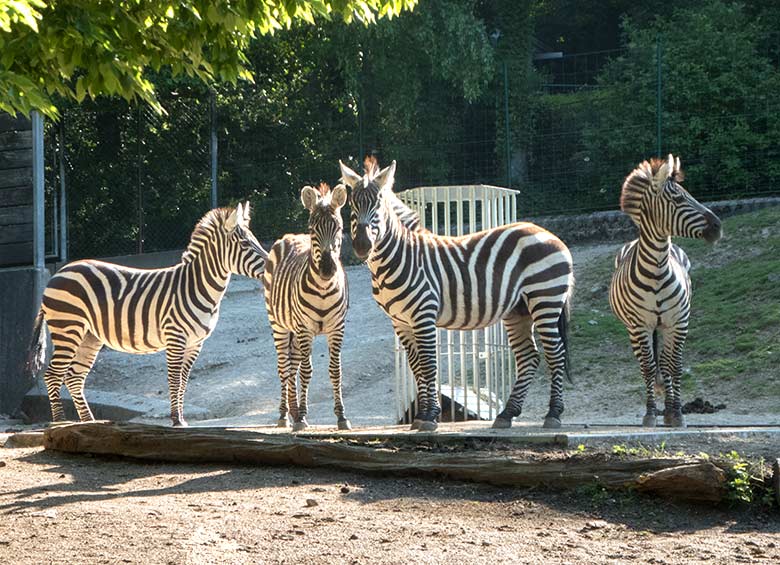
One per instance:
(234,218)
(386,177)
(338,197)
(309,197)
(349,176)
(246,213)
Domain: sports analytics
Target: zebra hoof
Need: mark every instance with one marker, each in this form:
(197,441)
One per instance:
(502,423)
(282,423)
(648,421)
(345,424)
(299,426)
(675,420)
(181,424)
(415,425)
(551,422)
(428,426)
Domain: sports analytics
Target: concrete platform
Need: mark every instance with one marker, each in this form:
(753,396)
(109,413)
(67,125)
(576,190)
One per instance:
(480,432)
(519,433)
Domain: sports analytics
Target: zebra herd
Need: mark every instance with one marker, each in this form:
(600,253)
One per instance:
(519,274)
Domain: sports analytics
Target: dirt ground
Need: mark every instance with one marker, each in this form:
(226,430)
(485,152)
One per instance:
(59,508)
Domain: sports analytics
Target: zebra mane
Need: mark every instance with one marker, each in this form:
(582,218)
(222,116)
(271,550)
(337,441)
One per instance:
(203,229)
(408,217)
(639,181)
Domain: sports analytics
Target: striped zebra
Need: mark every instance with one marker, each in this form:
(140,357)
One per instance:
(88,304)
(651,289)
(306,295)
(519,273)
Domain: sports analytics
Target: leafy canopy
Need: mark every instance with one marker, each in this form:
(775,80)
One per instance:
(74,49)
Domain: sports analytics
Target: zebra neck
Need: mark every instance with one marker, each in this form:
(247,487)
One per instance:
(208,271)
(653,253)
(396,239)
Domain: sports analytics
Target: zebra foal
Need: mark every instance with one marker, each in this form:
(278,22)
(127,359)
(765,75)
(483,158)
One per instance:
(306,295)
(88,304)
(520,274)
(650,290)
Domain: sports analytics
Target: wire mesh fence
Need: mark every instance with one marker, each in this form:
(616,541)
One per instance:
(136,181)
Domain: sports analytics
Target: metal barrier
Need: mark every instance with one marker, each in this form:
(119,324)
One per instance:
(476,369)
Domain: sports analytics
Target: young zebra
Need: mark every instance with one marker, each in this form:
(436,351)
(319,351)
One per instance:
(520,274)
(306,295)
(88,304)
(651,290)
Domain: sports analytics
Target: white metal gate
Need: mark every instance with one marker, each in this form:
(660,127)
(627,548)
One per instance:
(476,369)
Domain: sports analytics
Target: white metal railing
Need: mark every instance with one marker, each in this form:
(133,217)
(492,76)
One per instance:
(476,369)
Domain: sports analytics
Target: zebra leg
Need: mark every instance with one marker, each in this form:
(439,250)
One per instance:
(425,338)
(174,356)
(66,342)
(520,330)
(189,357)
(671,369)
(304,351)
(335,340)
(283,343)
(406,337)
(77,375)
(642,345)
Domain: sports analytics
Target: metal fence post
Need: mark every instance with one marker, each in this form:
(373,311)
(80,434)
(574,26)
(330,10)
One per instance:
(658,94)
(63,250)
(140,186)
(214,148)
(506,122)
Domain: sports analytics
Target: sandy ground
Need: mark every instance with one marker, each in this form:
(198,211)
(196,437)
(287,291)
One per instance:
(235,378)
(58,508)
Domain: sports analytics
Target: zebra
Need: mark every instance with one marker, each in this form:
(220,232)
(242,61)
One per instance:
(650,290)
(88,304)
(306,294)
(519,273)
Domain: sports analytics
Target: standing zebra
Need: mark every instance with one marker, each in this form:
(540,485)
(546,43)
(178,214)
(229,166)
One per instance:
(519,273)
(651,289)
(306,295)
(88,304)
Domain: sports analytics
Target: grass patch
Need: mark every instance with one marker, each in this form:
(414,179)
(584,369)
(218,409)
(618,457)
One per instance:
(734,340)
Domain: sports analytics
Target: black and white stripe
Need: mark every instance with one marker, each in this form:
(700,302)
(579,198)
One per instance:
(306,295)
(651,289)
(88,304)
(520,274)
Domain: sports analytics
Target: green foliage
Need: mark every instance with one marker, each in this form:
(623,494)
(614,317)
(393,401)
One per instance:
(75,49)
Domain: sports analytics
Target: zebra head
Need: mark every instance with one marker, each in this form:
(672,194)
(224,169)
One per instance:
(368,216)
(654,198)
(325,225)
(244,254)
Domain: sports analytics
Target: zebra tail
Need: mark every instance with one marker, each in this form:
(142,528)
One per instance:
(37,355)
(563,331)
(660,389)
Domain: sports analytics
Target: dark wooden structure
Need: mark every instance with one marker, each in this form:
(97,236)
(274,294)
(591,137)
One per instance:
(16,191)
(22,269)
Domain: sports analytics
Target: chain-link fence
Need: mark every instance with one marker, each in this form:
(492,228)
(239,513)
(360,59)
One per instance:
(137,181)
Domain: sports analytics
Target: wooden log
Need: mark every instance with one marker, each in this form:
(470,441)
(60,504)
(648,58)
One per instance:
(16,140)
(701,482)
(14,123)
(776,480)
(240,446)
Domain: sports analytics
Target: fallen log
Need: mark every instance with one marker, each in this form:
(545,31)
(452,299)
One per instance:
(682,479)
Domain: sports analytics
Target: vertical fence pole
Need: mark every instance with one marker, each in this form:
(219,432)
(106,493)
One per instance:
(138,180)
(39,196)
(658,94)
(63,250)
(506,123)
(214,147)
